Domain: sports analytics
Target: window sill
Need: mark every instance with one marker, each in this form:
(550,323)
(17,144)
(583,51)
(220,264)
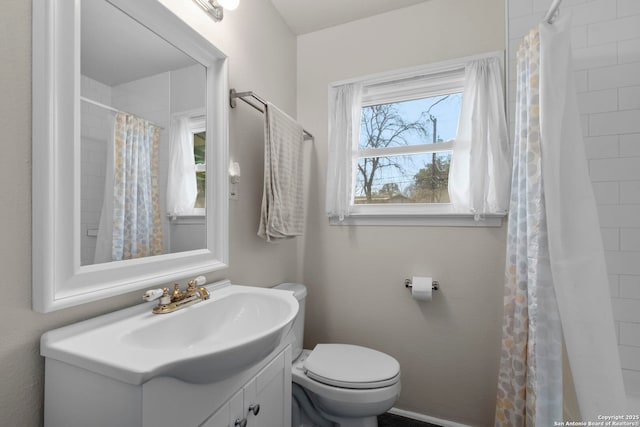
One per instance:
(432,216)
(193,218)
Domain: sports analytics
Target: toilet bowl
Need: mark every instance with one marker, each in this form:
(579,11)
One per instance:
(339,384)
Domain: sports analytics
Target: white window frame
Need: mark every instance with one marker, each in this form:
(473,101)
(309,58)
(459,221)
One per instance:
(404,85)
(198,124)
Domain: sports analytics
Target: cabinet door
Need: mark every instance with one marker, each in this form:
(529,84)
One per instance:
(228,414)
(271,390)
(236,409)
(219,419)
(265,401)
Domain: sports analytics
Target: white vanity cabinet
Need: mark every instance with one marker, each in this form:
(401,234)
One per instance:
(264,401)
(76,397)
(133,368)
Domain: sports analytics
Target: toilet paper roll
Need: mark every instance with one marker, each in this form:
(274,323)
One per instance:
(421,288)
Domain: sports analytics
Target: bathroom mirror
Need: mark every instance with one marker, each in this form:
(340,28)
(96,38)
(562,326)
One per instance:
(142,99)
(115,82)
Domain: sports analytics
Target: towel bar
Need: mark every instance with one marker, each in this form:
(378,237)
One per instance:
(233,95)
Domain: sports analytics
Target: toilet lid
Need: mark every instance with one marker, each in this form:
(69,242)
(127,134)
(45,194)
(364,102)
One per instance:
(351,366)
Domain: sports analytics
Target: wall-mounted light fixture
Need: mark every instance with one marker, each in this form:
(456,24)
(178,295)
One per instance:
(215,7)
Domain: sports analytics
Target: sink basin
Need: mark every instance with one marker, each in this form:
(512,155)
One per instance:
(202,343)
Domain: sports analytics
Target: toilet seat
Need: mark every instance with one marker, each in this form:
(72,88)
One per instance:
(351,366)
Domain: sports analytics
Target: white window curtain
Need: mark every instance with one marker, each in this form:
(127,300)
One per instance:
(182,188)
(345,109)
(480,173)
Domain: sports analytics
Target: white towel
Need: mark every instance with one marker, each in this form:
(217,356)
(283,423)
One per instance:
(282,215)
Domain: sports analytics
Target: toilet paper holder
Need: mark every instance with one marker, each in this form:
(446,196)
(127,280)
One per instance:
(435,285)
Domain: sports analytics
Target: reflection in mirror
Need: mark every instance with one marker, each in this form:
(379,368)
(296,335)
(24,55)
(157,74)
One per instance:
(89,85)
(142,141)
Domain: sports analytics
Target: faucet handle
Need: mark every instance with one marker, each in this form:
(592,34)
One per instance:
(198,281)
(152,294)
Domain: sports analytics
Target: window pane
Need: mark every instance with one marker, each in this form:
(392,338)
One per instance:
(419,121)
(199,145)
(418,178)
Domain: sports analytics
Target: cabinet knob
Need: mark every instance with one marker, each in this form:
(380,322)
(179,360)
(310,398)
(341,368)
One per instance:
(240,422)
(254,409)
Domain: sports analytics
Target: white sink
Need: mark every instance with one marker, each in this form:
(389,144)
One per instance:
(202,343)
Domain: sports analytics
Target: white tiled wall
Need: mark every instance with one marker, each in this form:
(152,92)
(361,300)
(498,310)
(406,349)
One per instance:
(606,43)
(94,131)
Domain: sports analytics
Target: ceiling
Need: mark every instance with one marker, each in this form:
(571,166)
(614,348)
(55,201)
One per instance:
(116,49)
(144,53)
(305,16)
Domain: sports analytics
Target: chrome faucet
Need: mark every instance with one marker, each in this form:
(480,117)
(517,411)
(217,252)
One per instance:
(170,302)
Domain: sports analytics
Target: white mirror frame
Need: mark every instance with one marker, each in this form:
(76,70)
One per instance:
(59,281)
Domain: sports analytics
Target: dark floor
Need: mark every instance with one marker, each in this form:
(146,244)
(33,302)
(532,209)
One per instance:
(390,420)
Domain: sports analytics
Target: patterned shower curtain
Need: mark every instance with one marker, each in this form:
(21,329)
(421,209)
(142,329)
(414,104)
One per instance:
(137,228)
(556,275)
(529,384)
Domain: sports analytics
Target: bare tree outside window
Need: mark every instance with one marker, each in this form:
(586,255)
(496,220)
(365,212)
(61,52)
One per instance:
(382,126)
(412,178)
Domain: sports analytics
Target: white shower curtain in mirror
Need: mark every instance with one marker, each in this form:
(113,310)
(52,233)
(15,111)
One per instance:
(130,223)
(480,171)
(556,279)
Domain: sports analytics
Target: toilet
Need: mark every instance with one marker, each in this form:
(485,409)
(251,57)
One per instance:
(338,384)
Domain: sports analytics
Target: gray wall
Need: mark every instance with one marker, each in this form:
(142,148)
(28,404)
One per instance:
(248,35)
(448,349)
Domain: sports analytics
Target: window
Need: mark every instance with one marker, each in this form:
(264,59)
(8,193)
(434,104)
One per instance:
(407,128)
(186,182)
(198,133)
(398,171)
(405,150)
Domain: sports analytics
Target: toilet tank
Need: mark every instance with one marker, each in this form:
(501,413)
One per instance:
(300,293)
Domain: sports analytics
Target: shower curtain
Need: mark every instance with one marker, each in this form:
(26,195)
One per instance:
(556,284)
(529,391)
(130,223)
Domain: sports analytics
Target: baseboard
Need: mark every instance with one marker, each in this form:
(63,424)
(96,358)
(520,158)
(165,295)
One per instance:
(426,418)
